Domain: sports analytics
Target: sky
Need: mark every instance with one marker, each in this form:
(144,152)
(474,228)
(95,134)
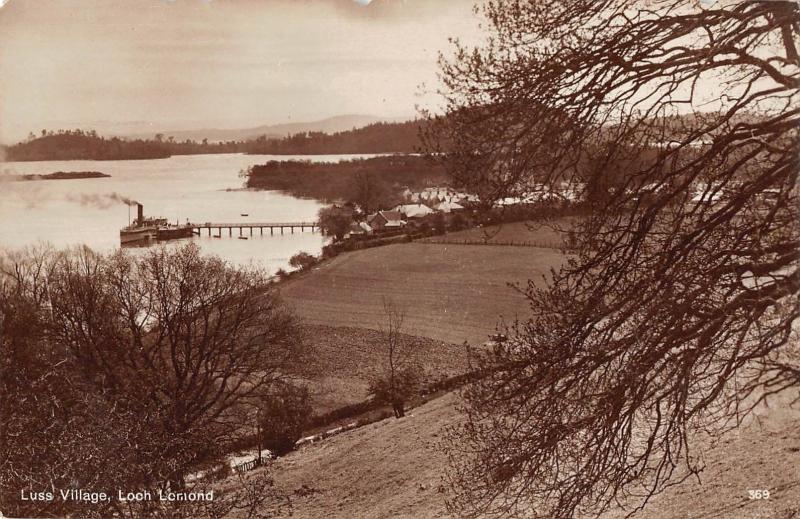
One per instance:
(131,66)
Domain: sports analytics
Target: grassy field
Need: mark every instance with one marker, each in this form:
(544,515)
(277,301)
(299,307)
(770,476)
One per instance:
(394,468)
(451,293)
(341,361)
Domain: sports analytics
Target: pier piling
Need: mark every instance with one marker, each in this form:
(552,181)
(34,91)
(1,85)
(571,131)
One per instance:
(197,228)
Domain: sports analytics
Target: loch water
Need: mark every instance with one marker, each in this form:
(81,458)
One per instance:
(197,188)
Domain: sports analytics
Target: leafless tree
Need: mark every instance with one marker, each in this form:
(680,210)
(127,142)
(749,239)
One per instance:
(122,372)
(400,374)
(676,123)
(56,430)
(183,340)
(24,369)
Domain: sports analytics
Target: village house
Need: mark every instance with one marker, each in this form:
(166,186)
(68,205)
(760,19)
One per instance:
(435,195)
(449,207)
(385,220)
(540,193)
(358,229)
(413,210)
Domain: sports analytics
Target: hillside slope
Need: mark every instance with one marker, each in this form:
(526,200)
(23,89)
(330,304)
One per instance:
(393,468)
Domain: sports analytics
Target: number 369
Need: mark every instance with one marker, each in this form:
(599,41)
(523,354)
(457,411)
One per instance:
(758,494)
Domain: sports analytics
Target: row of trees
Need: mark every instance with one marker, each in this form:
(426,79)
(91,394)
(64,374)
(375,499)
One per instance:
(373,138)
(88,145)
(127,373)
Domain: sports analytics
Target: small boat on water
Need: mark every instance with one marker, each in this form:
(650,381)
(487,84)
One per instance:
(245,214)
(242,237)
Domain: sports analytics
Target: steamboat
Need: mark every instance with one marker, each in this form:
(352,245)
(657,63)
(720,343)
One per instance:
(148,230)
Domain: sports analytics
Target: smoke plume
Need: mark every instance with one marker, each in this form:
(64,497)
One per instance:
(101,201)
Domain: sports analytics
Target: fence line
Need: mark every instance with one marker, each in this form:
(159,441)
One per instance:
(446,384)
(249,465)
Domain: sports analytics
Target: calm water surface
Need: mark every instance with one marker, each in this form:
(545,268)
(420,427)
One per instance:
(200,188)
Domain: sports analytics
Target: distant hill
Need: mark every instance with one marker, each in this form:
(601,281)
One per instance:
(374,138)
(398,137)
(88,145)
(338,123)
(80,145)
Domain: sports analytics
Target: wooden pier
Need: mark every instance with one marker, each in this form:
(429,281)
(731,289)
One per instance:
(272,226)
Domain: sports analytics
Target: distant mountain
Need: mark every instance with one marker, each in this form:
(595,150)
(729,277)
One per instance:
(338,123)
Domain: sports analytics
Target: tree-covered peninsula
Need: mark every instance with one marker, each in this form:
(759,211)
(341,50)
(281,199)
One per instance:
(370,183)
